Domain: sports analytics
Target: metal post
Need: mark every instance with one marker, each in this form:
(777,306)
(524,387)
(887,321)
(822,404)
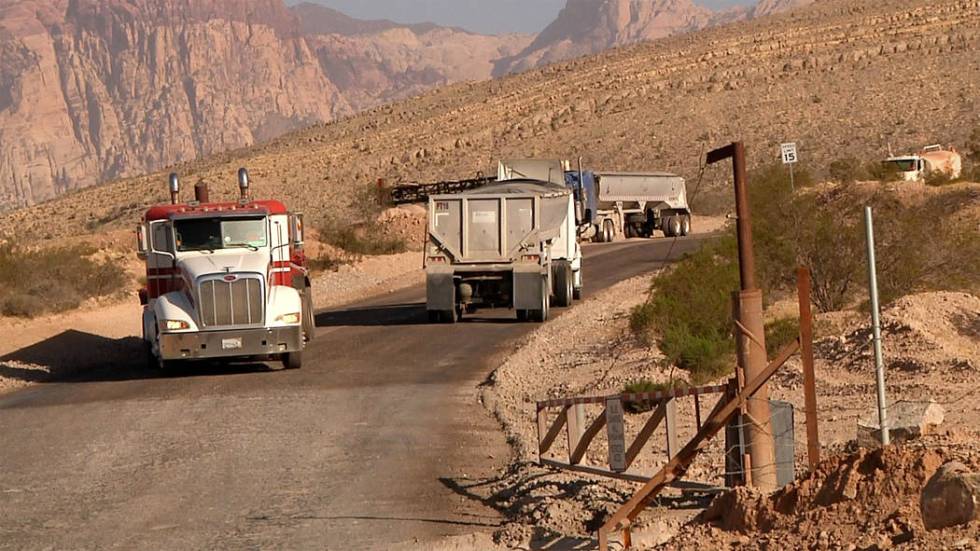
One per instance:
(751,329)
(809,373)
(876,327)
(792,183)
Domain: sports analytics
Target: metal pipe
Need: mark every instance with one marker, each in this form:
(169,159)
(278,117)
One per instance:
(743,224)
(174,188)
(243,182)
(876,328)
(804,285)
(201,194)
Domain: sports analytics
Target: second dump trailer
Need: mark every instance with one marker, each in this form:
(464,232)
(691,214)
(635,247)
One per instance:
(634,204)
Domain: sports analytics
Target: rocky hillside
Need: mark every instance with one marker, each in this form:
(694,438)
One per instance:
(92,90)
(590,26)
(834,77)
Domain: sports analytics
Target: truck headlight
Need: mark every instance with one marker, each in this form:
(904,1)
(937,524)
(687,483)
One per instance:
(290,319)
(175,325)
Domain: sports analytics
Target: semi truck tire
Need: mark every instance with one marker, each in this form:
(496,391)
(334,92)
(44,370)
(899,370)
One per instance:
(577,291)
(564,284)
(608,231)
(293,360)
(309,319)
(672,226)
(686,224)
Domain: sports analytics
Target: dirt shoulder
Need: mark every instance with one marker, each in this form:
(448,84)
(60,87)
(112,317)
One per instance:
(932,352)
(55,347)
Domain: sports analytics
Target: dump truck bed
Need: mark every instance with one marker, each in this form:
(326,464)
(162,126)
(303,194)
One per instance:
(499,222)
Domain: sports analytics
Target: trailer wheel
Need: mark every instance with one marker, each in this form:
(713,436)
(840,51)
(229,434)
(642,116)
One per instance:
(672,226)
(293,360)
(541,315)
(564,285)
(577,291)
(608,231)
(686,224)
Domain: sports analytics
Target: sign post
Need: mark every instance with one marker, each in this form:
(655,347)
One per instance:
(790,158)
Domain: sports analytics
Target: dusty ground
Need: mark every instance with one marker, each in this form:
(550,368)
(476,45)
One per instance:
(932,352)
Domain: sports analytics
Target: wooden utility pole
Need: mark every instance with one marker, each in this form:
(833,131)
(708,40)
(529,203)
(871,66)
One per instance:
(750,330)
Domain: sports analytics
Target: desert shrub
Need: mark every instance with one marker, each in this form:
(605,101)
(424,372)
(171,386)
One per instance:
(644,386)
(689,314)
(972,169)
(713,202)
(43,281)
(323,263)
(779,333)
(366,238)
(883,172)
(847,170)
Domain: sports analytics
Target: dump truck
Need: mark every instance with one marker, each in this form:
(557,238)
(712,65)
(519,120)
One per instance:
(224,280)
(511,244)
(631,204)
(930,161)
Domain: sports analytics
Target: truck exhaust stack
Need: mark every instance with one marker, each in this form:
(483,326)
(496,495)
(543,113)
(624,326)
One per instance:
(243,182)
(174,188)
(201,194)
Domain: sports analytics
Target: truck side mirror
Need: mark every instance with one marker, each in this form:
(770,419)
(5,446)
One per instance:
(141,243)
(296,230)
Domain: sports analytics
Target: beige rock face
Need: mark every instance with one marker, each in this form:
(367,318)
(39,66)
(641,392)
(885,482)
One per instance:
(93,90)
(591,26)
(97,89)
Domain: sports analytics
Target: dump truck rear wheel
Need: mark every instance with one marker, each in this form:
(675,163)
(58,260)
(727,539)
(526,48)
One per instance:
(564,286)
(686,224)
(293,360)
(541,315)
(608,231)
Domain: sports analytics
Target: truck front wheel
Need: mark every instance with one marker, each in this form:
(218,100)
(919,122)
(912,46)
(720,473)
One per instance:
(293,360)
(309,317)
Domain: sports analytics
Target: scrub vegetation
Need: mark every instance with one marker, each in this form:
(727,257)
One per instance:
(34,282)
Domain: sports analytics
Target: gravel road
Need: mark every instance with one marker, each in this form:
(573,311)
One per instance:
(354,451)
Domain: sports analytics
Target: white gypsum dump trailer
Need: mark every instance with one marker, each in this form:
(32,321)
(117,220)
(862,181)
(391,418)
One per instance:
(508,245)
(635,204)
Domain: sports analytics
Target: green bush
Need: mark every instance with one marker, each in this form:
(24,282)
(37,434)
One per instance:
(779,333)
(847,170)
(689,313)
(44,281)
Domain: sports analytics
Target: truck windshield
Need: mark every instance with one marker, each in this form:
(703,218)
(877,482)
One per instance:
(209,234)
(903,165)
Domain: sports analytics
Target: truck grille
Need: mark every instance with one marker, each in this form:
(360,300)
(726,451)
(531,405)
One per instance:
(234,303)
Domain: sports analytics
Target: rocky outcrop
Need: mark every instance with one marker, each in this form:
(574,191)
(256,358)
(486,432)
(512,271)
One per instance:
(590,26)
(96,89)
(92,90)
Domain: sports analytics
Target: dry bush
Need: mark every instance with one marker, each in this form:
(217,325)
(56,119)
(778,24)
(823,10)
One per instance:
(44,281)
(848,170)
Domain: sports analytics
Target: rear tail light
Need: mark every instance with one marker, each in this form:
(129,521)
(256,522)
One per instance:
(438,259)
(531,258)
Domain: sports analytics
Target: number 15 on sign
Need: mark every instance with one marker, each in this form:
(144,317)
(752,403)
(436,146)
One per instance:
(790,158)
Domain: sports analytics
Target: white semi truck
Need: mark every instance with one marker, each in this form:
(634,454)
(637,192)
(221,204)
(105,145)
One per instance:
(224,280)
(931,160)
(512,244)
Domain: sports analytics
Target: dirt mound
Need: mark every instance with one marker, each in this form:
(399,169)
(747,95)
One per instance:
(407,223)
(865,499)
(922,332)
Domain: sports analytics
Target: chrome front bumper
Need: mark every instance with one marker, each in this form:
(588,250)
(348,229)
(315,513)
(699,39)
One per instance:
(231,344)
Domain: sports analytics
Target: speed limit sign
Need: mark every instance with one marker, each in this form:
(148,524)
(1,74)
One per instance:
(789,153)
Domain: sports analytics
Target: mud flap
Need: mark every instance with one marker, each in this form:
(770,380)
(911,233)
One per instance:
(527,288)
(439,291)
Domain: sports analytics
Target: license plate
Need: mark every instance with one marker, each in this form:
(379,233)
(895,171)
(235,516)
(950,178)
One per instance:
(231,344)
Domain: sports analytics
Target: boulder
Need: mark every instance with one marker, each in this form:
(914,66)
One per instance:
(906,421)
(951,497)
